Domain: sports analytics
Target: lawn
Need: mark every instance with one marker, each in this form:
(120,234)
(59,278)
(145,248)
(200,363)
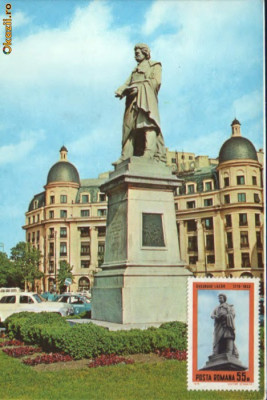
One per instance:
(160,380)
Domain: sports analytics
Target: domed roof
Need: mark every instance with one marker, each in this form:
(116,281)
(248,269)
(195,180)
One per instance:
(236,148)
(63,170)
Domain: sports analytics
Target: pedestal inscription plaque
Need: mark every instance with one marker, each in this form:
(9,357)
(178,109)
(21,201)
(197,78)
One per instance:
(152,232)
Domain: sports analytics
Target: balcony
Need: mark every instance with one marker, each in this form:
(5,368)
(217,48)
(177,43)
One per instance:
(63,254)
(244,245)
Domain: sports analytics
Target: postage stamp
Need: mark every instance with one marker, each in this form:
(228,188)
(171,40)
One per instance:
(223,334)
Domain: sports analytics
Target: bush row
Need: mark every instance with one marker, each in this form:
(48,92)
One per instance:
(54,334)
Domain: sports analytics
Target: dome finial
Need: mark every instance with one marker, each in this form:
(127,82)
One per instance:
(236,131)
(63,153)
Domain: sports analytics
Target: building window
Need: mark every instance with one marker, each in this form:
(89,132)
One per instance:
(193,260)
(38,236)
(38,217)
(29,237)
(63,213)
(176,206)
(226,181)
(210,259)
(257,220)
(245,260)
(85,231)
(51,214)
(208,186)
(85,263)
(102,197)
(244,239)
(51,249)
(85,248)
(85,198)
(191,225)
(63,232)
(231,263)
(208,223)
(63,198)
(101,231)
(101,253)
(29,220)
(254,180)
(101,212)
(33,219)
(63,249)
(51,233)
(260,262)
(243,220)
(192,243)
(241,197)
(240,180)
(51,267)
(52,199)
(228,220)
(190,204)
(190,188)
(191,157)
(85,213)
(227,199)
(209,242)
(229,238)
(208,202)
(256,198)
(173,160)
(258,240)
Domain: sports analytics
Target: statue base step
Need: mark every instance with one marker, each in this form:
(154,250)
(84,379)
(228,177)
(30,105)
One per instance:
(223,362)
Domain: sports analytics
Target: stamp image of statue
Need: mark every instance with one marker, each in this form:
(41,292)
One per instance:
(225,355)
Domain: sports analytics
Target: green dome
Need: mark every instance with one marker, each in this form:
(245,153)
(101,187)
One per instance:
(63,171)
(237,148)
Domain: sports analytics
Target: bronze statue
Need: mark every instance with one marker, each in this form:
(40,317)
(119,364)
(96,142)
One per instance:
(224,328)
(141,124)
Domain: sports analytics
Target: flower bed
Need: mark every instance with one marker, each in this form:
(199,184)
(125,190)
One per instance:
(173,354)
(111,359)
(48,359)
(22,351)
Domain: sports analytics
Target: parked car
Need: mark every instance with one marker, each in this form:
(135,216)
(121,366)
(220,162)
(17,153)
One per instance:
(27,301)
(78,302)
(4,290)
(50,296)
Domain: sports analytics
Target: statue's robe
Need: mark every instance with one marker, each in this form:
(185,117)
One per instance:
(224,326)
(141,108)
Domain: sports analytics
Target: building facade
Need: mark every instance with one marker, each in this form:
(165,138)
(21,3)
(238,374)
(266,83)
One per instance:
(219,212)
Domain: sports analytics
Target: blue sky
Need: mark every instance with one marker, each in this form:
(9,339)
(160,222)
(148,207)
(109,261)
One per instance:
(207,302)
(68,58)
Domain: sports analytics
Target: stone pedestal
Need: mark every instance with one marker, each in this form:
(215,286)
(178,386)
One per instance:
(223,362)
(142,278)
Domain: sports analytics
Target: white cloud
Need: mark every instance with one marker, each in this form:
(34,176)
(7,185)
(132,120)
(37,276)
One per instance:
(12,153)
(19,19)
(248,106)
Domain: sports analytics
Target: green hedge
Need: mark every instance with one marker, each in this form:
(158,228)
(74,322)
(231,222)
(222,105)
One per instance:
(53,333)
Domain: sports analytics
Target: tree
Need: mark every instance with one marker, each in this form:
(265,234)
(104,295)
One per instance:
(26,259)
(5,267)
(63,273)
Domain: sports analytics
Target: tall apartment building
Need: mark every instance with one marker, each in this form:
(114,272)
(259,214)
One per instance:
(219,211)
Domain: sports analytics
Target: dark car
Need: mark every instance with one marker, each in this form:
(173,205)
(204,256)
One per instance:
(79,303)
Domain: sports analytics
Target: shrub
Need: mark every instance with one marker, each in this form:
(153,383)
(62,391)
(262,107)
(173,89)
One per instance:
(54,334)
